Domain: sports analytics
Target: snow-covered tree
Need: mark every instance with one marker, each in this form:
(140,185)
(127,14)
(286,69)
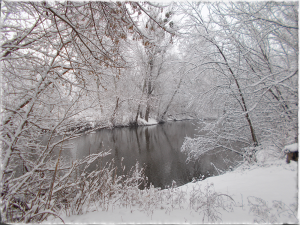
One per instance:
(247,53)
(55,58)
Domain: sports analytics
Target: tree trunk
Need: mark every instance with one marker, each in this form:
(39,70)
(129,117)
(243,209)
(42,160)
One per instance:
(98,94)
(137,114)
(149,91)
(113,117)
(171,100)
(139,107)
(147,112)
(243,103)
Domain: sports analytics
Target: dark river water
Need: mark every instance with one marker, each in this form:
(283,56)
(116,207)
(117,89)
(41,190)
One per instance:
(156,148)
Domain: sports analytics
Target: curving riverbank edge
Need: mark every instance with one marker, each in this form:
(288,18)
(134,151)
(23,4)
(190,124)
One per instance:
(264,192)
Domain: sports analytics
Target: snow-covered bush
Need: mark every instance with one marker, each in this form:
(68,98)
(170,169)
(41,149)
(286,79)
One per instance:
(204,201)
(249,155)
(268,151)
(69,191)
(269,214)
(209,202)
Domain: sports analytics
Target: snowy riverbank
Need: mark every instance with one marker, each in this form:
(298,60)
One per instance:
(264,192)
(91,127)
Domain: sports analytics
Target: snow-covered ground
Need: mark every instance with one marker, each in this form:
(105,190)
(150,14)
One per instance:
(265,192)
(291,148)
(143,122)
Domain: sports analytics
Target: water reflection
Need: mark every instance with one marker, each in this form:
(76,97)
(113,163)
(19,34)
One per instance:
(157,148)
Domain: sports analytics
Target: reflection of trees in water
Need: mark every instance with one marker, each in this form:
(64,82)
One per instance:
(177,165)
(156,147)
(152,170)
(137,139)
(147,137)
(116,149)
(214,162)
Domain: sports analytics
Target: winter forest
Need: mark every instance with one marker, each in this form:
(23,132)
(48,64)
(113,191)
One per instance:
(71,68)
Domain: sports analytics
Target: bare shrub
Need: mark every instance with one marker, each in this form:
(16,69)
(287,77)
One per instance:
(266,214)
(72,192)
(249,155)
(283,209)
(209,202)
(260,210)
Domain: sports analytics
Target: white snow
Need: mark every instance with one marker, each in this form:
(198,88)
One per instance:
(143,122)
(274,180)
(291,148)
